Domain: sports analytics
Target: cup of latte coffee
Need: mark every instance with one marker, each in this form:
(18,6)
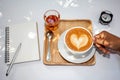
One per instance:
(78,40)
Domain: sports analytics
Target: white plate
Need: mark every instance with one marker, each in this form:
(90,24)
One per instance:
(70,57)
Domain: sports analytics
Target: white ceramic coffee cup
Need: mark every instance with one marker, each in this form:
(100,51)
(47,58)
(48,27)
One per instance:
(78,53)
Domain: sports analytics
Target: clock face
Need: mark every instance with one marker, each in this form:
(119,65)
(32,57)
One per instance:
(106,17)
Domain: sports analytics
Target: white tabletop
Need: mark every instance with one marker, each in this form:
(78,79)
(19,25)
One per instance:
(19,11)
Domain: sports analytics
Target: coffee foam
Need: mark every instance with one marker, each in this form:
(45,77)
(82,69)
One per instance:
(78,39)
(79,42)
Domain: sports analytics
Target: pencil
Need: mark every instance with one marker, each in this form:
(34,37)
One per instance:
(13,59)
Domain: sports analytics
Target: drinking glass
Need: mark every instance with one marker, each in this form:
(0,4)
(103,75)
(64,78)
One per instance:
(52,18)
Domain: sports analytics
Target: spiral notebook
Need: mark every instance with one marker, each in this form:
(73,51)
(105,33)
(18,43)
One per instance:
(27,34)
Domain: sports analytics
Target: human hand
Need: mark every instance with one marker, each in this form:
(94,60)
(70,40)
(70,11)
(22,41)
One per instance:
(106,42)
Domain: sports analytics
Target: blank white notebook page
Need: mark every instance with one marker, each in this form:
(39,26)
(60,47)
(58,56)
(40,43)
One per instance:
(26,34)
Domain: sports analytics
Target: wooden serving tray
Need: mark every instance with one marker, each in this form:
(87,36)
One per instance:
(56,58)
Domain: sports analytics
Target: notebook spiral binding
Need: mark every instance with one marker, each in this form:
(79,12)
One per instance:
(6,44)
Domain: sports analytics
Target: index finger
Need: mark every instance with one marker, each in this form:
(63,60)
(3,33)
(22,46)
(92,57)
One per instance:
(100,35)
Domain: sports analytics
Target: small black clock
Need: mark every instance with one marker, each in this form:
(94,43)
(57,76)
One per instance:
(105,17)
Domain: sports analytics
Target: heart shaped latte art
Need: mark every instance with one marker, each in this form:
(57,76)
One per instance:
(79,42)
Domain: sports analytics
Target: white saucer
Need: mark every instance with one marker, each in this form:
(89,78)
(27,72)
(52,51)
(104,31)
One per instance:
(69,56)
